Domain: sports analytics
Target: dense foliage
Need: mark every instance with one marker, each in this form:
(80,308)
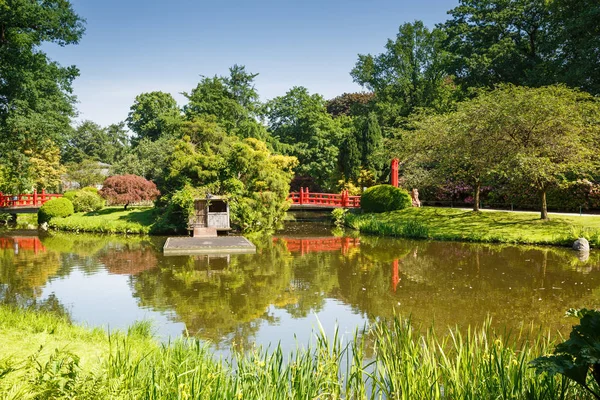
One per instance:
(383,198)
(36,102)
(55,208)
(126,189)
(481,108)
(86,201)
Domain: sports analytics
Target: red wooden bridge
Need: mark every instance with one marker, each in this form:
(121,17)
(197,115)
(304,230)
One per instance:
(24,203)
(307,200)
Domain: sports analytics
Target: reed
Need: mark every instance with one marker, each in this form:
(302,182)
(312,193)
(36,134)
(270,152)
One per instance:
(391,360)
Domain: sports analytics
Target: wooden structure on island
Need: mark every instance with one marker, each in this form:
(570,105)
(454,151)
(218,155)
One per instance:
(211,215)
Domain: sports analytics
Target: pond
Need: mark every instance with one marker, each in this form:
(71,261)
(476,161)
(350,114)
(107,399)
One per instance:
(303,277)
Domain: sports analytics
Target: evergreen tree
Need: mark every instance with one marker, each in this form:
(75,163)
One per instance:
(372,144)
(350,157)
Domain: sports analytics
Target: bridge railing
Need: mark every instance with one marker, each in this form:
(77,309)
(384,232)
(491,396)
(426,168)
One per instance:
(34,199)
(344,200)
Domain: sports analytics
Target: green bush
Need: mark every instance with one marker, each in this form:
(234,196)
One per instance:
(90,189)
(384,198)
(70,194)
(86,201)
(61,207)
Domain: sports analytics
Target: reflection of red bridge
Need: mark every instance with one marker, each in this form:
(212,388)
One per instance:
(306,200)
(315,245)
(25,203)
(20,243)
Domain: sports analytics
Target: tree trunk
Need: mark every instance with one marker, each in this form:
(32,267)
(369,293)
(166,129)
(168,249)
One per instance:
(476,196)
(126,204)
(544,214)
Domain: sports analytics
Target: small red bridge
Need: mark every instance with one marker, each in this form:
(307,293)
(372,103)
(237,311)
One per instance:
(307,200)
(25,203)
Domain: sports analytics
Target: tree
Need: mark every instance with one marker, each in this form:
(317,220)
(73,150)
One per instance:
(300,121)
(574,29)
(371,145)
(86,173)
(553,133)
(35,93)
(350,157)
(126,189)
(350,104)
(153,115)
(233,100)
(90,141)
(494,42)
(410,74)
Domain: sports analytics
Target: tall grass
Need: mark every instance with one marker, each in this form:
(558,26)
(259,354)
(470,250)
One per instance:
(392,360)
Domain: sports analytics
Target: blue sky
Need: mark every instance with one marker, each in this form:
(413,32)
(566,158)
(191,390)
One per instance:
(136,46)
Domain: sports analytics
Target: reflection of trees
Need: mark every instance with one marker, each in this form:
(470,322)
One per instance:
(216,300)
(459,283)
(22,275)
(128,259)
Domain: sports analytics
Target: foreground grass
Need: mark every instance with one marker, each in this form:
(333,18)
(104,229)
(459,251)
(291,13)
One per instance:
(488,227)
(137,220)
(44,356)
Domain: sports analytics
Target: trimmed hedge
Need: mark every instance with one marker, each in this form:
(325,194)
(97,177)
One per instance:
(61,207)
(383,198)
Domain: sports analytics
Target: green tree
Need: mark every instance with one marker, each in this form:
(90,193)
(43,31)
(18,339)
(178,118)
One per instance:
(371,145)
(574,29)
(35,93)
(209,160)
(233,100)
(148,159)
(300,121)
(495,42)
(350,157)
(90,140)
(153,115)
(411,73)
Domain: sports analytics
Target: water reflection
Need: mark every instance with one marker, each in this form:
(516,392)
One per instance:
(268,296)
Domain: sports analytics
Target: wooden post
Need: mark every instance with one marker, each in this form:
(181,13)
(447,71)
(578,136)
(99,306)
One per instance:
(345,199)
(301,195)
(43,196)
(394,173)
(306,195)
(35,199)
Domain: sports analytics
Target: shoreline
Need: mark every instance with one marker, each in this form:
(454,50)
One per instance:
(460,225)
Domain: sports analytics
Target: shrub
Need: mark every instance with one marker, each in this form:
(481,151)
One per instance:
(126,189)
(70,194)
(384,198)
(61,207)
(86,201)
(90,189)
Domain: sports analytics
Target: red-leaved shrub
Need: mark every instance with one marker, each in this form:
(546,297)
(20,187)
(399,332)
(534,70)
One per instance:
(127,189)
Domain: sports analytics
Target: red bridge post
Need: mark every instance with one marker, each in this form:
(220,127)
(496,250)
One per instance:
(394,174)
(35,198)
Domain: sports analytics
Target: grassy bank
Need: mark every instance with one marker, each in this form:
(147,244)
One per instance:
(487,227)
(44,356)
(108,220)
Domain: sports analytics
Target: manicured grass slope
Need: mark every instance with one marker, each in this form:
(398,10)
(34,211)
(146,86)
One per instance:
(108,220)
(487,226)
(43,356)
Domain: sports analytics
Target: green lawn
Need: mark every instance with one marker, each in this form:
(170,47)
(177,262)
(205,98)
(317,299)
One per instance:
(487,226)
(108,220)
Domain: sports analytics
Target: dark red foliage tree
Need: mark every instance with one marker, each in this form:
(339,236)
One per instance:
(126,189)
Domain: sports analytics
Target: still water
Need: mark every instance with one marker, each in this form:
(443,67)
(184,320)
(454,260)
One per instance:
(300,278)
